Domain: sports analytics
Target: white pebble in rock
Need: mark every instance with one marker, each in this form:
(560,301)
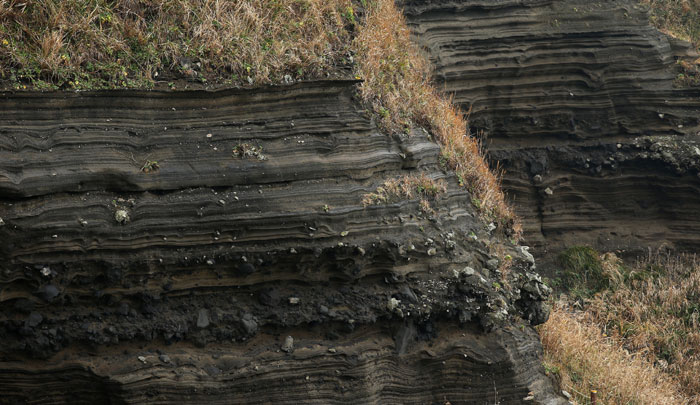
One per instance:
(121,216)
(392,304)
(432,252)
(288,345)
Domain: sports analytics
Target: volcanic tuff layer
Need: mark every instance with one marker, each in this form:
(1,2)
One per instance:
(212,247)
(578,101)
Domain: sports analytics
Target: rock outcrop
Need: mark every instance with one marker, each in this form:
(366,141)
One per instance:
(579,104)
(212,247)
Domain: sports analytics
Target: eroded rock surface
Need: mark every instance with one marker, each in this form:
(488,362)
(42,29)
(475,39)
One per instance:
(212,247)
(580,108)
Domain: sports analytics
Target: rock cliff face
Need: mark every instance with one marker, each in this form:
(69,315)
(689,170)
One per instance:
(212,247)
(580,108)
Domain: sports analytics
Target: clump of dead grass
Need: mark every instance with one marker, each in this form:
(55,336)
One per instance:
(127,43)
(408,188)
(397,85)
(583,358)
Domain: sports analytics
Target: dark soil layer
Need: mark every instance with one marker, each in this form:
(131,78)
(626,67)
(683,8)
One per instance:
(161,246)
(579,100)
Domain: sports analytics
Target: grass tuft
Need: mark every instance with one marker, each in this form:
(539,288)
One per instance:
(406,188)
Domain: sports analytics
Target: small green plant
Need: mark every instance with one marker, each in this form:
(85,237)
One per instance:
(150,166)
(550,368)
(349,14)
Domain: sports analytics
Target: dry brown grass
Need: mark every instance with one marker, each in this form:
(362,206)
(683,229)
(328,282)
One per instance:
(583,358)
(654,309)
(397,84)
(407,188)
(650,313)
(125,43)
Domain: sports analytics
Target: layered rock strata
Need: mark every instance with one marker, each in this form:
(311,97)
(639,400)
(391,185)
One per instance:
(581,108)
(212,247)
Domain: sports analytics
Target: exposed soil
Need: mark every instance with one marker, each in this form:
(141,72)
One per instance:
(162,246)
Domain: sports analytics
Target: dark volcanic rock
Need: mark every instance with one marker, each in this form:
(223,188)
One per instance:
(203,319)
(572,95)
(34,319)
(224,255)
(48,292)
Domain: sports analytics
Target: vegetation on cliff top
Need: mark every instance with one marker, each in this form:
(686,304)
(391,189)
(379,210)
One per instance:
(87,44)
(635,338)
(94,44)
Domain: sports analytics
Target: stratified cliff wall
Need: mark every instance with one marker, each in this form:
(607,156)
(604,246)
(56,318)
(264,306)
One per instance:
(578,101)
(212,247)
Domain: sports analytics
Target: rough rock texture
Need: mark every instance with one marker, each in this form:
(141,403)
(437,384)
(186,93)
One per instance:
(212,247)
(578,101)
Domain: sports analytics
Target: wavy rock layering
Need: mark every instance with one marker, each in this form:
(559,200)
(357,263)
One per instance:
(212,247)
(578,101)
